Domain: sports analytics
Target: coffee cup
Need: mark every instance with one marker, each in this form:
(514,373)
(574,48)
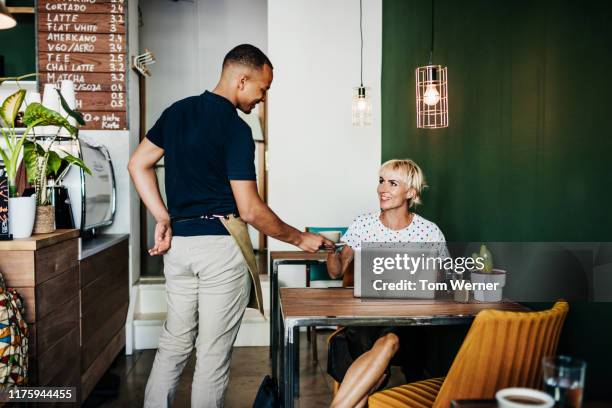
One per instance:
(523,398)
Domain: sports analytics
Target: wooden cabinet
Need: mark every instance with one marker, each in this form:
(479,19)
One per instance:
(76,310)
(104,297)
(44,269)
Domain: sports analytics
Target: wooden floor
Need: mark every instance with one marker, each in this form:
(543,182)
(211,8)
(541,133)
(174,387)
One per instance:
(125,382)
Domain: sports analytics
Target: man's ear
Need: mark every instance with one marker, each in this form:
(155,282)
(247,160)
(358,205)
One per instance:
(242,82)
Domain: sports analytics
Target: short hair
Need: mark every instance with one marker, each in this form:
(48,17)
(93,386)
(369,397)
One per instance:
(411,174)
(246,54)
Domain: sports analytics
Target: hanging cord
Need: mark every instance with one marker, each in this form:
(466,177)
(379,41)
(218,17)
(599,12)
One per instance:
(431,50)
(361,35)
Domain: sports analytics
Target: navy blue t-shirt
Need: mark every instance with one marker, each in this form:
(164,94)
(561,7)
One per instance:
(206,144)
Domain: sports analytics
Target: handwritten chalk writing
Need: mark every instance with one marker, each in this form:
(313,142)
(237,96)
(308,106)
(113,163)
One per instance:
(89,38)
(105,120)
(84,41)
(81,7)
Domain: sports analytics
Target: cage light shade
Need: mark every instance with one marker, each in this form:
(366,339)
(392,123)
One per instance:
(362,107)
(431,97)
(6,19)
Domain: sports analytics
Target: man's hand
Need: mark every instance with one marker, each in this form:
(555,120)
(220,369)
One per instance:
(163,238)
(313,242)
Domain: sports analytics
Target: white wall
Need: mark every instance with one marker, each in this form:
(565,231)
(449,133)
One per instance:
(120,145)
(190,39)
(133,140)
(322,171)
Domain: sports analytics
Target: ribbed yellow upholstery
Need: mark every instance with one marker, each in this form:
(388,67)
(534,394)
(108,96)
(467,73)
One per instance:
(421,394)
(502,349)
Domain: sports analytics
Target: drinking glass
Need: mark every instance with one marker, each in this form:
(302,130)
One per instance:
(564,380)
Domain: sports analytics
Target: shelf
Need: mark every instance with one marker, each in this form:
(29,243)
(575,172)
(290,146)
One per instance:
(21,10)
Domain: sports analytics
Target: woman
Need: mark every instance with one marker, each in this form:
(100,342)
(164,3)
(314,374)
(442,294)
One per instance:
(400,185)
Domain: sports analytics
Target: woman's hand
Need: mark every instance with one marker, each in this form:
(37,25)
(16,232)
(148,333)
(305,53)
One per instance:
(334,264)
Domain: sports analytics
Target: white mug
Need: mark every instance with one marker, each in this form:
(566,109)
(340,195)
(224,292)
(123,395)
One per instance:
(333,236)
(32,97)
(523,398)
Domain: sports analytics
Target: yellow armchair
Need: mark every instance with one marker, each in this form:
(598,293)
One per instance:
(502,349)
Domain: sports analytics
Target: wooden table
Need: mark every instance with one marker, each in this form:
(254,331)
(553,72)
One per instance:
(278,258)
(337,306)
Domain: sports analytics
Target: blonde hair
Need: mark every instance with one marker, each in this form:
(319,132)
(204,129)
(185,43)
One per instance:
(411,174)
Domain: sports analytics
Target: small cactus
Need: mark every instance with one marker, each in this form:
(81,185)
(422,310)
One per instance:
(487,257)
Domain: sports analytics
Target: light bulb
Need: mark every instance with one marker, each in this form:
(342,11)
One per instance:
(431,96)
(362,107)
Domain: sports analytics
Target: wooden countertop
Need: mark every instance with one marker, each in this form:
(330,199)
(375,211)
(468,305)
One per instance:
(38,241)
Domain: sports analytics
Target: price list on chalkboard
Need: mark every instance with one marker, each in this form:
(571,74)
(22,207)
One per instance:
(85,41)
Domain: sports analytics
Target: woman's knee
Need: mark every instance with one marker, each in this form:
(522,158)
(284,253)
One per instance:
(387,344)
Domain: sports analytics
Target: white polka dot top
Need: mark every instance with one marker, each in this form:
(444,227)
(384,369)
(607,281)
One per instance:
(369,228)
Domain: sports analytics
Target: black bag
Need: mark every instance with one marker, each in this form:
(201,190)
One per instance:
(267,395)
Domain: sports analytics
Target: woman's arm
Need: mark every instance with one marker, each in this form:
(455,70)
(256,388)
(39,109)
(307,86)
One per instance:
(341,265)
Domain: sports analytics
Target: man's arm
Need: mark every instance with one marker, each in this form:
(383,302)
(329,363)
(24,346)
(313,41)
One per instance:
(142,171)
(255,212)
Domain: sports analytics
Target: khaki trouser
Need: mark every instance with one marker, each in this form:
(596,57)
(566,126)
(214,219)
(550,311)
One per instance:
(208,287)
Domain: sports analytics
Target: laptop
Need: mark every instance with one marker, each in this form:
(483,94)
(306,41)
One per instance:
(374,285)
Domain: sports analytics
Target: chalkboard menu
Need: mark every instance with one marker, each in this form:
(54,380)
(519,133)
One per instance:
(85,41)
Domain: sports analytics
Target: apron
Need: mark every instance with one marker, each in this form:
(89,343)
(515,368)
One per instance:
(238,230)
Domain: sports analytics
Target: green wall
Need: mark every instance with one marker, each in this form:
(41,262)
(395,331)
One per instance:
(18,44)
(526,155)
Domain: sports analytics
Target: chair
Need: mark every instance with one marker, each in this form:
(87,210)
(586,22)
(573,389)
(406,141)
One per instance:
(502,349)
(318,273)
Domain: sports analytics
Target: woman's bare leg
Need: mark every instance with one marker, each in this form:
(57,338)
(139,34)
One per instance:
(364,400)
(366,373)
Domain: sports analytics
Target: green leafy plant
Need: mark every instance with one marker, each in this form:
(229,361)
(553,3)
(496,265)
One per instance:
(41,161)
(487,257)
(13,142)
(39,158)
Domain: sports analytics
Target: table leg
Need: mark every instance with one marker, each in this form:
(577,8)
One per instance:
(271,274)
(280,353)
(274,317)
(290,334)
(296,359)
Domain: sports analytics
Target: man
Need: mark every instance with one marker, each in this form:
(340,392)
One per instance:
(210,175)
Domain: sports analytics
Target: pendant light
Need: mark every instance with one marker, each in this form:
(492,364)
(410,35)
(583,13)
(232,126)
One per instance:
(362,104)
(431,91)
(6,19)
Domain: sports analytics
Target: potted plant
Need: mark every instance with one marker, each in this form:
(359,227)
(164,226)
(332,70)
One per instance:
(22,210)
(42,161)
(488,275)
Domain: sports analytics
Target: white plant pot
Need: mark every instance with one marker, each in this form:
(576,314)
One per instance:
(22,211)
(496,276)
